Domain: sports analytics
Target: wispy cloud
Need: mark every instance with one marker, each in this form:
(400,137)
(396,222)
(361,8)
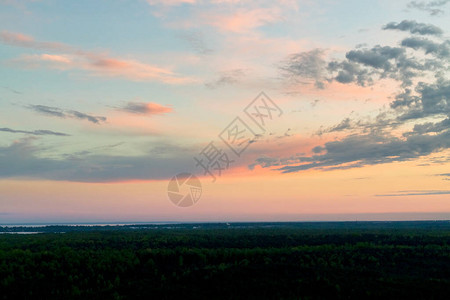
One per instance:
(228,16)
(226,78)
(34,132)
(243,20)
(433,7)
(12,90)
(416,193)
(171,2)
(445,175)
(301,68)
(197,41)
(61,113)
(67,57)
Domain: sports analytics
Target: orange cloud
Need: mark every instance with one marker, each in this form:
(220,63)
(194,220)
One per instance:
(56,58)
(97,64)
(149,108)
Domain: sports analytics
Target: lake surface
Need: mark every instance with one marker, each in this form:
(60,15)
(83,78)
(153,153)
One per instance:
(21,232)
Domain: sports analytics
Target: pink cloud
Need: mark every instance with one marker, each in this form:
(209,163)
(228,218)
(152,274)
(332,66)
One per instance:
(26,41)
(170,2)
(97,64)
(16,38)
(110,63)
(50,61)
(149,108)
(244,20)
(236,16)
(56,58)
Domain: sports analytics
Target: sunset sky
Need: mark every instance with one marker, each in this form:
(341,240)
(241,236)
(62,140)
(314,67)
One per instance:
(103,102)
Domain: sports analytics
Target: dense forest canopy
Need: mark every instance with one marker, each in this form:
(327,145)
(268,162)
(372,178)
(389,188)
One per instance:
(350,260)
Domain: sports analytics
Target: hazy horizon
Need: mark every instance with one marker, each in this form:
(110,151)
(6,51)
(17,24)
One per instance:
(305,218)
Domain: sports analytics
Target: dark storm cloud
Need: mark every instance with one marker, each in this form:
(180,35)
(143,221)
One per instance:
(414,27)
(361,150)
(415,101)
(377,57)
(419,111)
(34,132)
(349,72)
(366,66)
(430,47)
(61,113)
(432,7)
(431,100)
(404,99)
(23,159)
(430,127)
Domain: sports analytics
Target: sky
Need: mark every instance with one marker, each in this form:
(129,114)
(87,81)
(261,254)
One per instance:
(278,110)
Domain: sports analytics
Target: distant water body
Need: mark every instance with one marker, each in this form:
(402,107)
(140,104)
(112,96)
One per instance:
(21,232)
(42,225)
(85,224)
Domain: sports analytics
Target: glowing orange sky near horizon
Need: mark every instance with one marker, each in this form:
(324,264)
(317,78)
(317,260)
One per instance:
(232,197)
